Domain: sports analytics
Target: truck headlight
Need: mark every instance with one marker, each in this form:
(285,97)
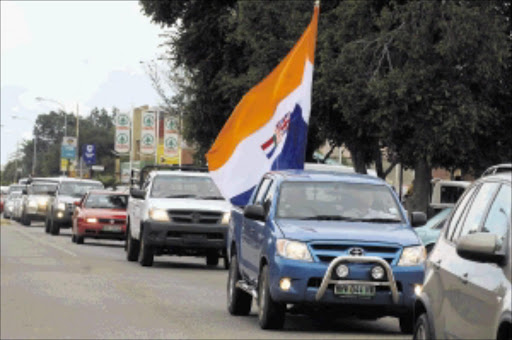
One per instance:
(294,250)
(32,204)
(225,218)
(412,256)
(42,202)
(61,206)
(159,215)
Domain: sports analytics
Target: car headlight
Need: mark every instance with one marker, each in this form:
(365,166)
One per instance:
(32,204)
(413,256)
(294,250)
(61,206)
(91,220)
(225,218)
(42,202)
(159,215)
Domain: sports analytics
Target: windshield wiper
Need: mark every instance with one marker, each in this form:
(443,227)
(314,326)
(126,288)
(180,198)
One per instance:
(382,220)
(331,218)
(181,196)
(211,197)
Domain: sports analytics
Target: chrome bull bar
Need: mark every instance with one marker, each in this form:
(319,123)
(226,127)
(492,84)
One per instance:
(391,283)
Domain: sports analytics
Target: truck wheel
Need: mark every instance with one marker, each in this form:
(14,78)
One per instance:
(212,259)
(79,239)
(132,247)
(271,314)
(226,261)
(54,227)
(239,302)
(146,254)
(47,224)
(407,323)
(25,220)
(421,329)
(73,238)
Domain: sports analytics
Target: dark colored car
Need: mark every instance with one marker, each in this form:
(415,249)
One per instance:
(467,289)
(100,215)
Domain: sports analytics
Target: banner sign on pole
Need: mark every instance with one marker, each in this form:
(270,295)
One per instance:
(63,164)
(89,154)
(147,134)
(122,142)
(171,136)
(68,148)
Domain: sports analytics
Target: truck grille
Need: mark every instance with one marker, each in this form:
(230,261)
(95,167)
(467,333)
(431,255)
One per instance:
(328,251)
(196,217)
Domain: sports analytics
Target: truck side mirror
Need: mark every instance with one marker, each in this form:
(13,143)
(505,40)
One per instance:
(418,218)
(255,212)
(480,247)
(138,193)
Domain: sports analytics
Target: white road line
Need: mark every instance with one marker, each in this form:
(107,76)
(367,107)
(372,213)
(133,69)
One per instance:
(42,241)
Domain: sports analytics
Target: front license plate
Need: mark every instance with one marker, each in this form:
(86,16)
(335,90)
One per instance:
(112,228)
(194,236)
(354,290)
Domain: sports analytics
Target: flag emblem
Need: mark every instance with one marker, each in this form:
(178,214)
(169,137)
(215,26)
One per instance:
(279,134)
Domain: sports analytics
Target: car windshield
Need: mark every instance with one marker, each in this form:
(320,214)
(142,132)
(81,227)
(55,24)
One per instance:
(77,189)
(185,187)
(106,201)
(337,201)
(41,189)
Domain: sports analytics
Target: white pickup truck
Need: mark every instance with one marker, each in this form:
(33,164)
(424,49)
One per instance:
(177,212)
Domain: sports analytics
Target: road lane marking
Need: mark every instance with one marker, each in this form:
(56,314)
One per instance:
(44,242)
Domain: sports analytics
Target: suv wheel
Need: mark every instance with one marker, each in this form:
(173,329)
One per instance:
(47,224)
(407,323)
(54,227)
(212,259)
(24,219)
(271,314)
(421,330)
(132,246)
(146,254)
(239,302)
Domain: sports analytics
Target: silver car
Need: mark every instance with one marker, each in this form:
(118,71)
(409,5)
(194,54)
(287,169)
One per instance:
(467,289)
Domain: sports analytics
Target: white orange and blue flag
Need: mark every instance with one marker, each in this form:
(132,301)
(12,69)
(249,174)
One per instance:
(268,128)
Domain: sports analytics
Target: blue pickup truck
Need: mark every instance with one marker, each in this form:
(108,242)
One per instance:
(324,244)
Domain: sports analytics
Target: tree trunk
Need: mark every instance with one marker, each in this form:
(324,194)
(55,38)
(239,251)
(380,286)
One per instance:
(378,163)
(419,200)
(358,161)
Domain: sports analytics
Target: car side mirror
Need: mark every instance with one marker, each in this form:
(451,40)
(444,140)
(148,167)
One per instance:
(418,219)
(138,193)
(255,212)
(480,247)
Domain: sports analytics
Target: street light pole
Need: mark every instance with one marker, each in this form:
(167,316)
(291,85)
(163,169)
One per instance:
(62,107)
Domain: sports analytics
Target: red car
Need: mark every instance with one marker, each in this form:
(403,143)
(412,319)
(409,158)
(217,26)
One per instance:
(100,215)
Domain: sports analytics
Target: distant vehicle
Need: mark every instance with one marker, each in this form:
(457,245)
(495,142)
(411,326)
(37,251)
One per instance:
(429,233)
(10,203)
(467,290)
(178,212)
(17,199)
(496,169)
(310,241)
(446,193)
(34,201)
(4,191)
(100,215)
(61,206)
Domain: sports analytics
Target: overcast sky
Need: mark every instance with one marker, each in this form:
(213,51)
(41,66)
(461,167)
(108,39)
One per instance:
(85,52)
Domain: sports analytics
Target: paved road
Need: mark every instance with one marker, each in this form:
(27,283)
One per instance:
(52,288)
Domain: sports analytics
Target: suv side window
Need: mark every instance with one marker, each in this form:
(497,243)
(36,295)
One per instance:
(477,210)
(458,212)
(267,200)
(498,219)
(262,190)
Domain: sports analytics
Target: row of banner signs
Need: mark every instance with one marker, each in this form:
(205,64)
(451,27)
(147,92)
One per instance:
(148,135)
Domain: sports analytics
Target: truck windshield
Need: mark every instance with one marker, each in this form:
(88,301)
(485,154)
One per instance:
(41,189)
(337,201)
(102,201)
(77,189)
(185,187)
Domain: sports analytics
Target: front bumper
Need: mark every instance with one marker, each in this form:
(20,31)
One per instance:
(36,213)
(191,236)
(64,217)
(102,231)
(313,283)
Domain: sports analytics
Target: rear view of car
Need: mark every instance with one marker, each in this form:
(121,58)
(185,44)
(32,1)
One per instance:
(100,215)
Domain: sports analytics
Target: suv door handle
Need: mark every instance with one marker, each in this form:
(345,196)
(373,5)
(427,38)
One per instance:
(437,264)
(464,278)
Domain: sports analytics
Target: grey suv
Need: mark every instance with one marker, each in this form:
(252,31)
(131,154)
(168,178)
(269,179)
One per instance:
(467,289)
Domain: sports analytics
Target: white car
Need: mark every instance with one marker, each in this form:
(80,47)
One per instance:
(177,213)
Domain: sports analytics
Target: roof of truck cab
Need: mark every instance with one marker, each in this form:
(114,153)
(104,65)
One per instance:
(179,173)
(323,176)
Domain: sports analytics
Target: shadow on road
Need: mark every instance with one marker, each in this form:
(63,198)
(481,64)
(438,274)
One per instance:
(181,265)
(99,244)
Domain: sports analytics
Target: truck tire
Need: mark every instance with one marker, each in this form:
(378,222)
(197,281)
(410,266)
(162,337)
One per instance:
(421,329)
(79,239)
(54,227)
(146,253)
(132,246)
(239,302)
(406,323)
(73,238)
(226,261)
(47,224)
(212,259)
(271,314)
(25,220)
